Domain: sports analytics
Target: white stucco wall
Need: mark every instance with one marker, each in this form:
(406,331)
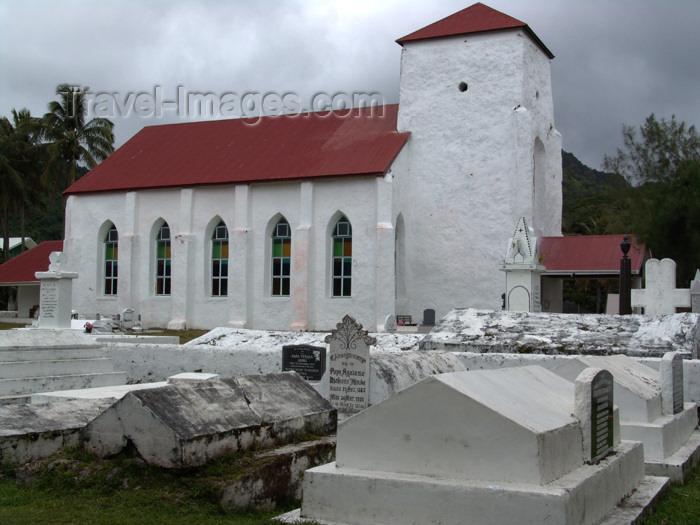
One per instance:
(466,174)
(250,212)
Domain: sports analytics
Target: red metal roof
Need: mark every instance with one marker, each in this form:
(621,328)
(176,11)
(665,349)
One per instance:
(588,254)
(478,18)
(234,151)
(21,269)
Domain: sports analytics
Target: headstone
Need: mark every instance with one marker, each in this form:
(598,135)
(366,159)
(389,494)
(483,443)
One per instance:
(348,376)
(695,293)
(55,293)
(127,319)
(660,295)
(671,376)
(594,408)
(306,360)
(390,324)
(429,317)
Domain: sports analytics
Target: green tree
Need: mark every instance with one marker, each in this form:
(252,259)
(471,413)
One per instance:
(20,166)
(663,160)
(71,140)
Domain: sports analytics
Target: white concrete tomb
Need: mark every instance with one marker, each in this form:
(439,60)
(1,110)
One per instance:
(652,410)
(496,446)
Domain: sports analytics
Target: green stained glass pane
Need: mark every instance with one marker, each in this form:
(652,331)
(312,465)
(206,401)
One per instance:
(224,250)
(277,248)
(337,248)
(216,251)
(161,250)
(286,249)
(109,252)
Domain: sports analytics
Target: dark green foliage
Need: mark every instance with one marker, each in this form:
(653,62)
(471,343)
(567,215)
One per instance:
(663,159)
(594,202)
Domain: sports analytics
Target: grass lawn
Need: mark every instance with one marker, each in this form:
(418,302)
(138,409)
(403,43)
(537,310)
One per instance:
(75,487)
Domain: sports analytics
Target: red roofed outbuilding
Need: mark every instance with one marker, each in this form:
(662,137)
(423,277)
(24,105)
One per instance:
(19,272)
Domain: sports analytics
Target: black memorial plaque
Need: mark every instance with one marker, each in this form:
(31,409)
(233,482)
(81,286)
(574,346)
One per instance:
(306,360)
(601,415)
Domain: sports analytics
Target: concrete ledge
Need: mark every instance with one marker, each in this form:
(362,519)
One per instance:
(108,394)
(680,464)
(638,505)
(277,479)
(367,497)
(33,432)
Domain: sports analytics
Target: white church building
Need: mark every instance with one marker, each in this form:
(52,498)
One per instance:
(293,221)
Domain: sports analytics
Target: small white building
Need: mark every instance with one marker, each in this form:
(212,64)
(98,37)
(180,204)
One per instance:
(291,222)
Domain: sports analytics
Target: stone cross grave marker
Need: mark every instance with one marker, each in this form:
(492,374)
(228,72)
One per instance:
(660,296)
(695,293)
(671,377)
(306,360)
(349,366)
(594,409)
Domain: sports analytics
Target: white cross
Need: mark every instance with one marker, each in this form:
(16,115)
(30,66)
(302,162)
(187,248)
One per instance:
(660,296)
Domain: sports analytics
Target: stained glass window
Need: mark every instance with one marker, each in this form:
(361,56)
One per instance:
(111,258)
(163,256)
(342,258)
(219,260)
(281,258)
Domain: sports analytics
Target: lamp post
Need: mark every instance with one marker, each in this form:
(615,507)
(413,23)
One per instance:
(625,278)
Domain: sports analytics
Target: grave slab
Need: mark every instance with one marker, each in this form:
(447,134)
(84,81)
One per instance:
(482,331)
(33,432)
(187,423)
(486,447)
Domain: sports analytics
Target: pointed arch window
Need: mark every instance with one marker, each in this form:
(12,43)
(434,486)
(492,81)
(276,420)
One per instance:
(111,245)
(342,258)
(163,257)
(219,260)
(281,259)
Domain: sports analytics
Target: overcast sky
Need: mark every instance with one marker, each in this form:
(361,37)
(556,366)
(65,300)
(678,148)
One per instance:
(615,61)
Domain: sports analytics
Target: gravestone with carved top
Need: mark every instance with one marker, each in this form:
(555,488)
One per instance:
(523,271)
(348,369)
(55,293)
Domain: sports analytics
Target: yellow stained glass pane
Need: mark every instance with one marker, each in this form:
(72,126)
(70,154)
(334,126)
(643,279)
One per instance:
(287,249)
(224,251)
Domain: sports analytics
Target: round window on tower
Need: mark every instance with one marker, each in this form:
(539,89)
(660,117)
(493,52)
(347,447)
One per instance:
(463,86)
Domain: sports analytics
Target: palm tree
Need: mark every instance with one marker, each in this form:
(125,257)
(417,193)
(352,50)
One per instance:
(70,139)
(19,169)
